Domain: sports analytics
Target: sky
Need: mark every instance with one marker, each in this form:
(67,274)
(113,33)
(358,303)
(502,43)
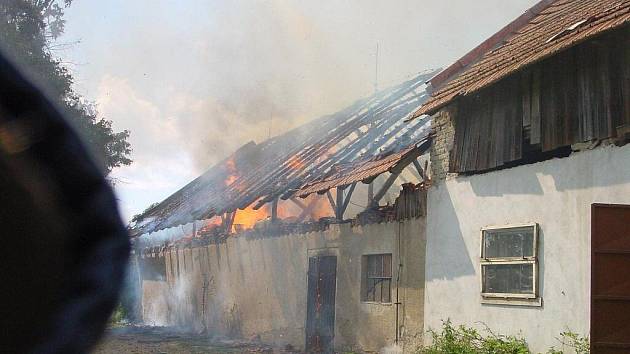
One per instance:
(194,80)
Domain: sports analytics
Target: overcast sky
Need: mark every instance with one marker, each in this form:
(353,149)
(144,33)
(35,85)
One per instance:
(194,80)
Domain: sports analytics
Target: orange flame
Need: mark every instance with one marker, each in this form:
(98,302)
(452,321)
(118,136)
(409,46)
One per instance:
(295,163)
(289,212)
(209,224)
(215,220)
(247,218)
(321,209)
(230,180)
(230,166)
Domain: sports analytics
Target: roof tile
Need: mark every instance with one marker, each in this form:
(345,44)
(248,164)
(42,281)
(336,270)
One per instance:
(563,24)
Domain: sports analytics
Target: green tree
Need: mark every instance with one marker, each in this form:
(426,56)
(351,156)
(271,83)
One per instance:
(28,30)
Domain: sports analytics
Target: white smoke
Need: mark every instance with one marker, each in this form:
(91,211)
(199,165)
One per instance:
(155,312)
(166,236)
(173,307)
(391,349)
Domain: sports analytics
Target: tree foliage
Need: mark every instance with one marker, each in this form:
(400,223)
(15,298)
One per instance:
(28,30)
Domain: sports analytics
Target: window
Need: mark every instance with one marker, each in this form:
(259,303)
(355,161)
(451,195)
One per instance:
(377,278)
(509,262)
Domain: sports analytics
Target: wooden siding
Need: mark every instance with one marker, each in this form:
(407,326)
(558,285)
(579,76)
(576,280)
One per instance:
(579,95)
(488,131)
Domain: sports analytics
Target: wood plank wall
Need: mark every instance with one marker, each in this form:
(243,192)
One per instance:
(577,95)
(489,129)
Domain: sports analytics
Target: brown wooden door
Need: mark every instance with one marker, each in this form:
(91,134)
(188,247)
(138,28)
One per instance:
(610,279)
(320,307)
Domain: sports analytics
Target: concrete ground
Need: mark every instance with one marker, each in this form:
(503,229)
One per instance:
(142,339)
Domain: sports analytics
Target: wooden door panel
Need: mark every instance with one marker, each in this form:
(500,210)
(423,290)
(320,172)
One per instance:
(606,281)
(610,321)
(610,279)
(320,317)
(613,225)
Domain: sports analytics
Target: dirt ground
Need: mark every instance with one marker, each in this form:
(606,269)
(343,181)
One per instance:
(135,339)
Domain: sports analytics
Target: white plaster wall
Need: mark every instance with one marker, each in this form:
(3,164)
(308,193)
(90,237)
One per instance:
(558,195)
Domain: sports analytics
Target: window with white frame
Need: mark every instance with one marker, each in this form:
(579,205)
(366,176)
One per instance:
(509,262)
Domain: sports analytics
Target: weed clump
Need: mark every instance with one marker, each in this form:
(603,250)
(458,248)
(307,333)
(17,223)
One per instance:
(466,340)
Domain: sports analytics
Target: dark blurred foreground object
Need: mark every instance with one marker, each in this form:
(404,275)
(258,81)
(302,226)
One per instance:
(64,248)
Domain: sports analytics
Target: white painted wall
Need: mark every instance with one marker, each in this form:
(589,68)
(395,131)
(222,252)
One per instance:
(558,195)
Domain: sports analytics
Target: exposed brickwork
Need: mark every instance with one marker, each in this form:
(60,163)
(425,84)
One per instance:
(444,127)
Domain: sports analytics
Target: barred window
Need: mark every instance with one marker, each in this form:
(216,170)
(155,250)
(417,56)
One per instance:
(377,278)
(509,262)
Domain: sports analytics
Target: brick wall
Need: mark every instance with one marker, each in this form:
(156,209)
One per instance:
(444,127)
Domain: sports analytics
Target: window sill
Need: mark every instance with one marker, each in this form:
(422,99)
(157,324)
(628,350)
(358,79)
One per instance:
(377,303)
(512,301)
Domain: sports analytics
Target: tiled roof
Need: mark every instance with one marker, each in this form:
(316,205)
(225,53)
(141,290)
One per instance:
(562,24)
(359,171)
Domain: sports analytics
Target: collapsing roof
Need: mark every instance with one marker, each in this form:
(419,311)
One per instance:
(364,170)
(559,25)
(372,131)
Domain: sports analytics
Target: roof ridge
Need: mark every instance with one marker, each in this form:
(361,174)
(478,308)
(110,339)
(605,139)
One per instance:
(563,24)
(478,52)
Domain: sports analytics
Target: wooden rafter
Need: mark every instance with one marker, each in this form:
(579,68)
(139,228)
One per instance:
(299,203)
(339,203)
(274,210)
(331,200)
(227,219)
(388,183)
(309,208)
(416,163)
(347,200)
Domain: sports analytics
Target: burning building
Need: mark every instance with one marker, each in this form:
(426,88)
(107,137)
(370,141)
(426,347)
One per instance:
(518,221)
(313,239)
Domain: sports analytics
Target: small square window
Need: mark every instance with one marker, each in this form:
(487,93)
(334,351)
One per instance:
(509,262)
(377,278)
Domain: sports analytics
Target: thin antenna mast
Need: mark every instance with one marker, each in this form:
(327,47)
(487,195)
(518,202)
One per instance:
(376,70)
(270,122)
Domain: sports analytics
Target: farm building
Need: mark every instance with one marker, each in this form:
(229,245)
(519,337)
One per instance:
(528,222)
(494,193)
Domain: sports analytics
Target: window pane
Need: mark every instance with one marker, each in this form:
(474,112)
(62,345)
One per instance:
(371,290)
(387,265)
(508,278)
(378,287)
(375,265)
(387,290)
(514,242)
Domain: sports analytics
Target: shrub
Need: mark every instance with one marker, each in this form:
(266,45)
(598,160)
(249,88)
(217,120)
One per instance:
(579,344)
(466,340)
(118,317)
